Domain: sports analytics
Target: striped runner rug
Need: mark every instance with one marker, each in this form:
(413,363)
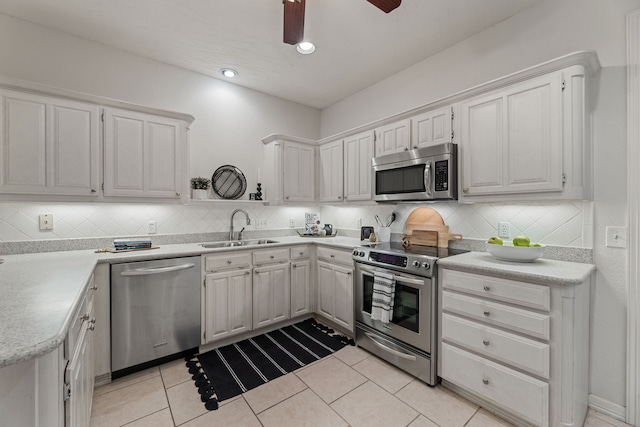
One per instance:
(225,372)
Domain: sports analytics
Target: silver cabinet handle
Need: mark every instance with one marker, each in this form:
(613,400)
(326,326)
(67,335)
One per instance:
(406,148)
(465,190)
(93,190)
(157,270)
(332,256)
(294,265)
(485,342)
(486,288)
(229,261)
(485,381)
(486,313)
(271,256)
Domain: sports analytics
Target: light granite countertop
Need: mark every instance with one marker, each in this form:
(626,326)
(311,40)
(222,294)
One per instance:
(40,292)
(543,271)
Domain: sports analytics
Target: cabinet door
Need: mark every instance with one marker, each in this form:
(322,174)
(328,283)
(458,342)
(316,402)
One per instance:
(358,151)
(78,406)
(331,169)
(431,127)
(271,294)
(393,137)
(512,139)
(48,146)
(299,172)
(143,155)
(300,287)
(326,292)
(343,296)
(227,304)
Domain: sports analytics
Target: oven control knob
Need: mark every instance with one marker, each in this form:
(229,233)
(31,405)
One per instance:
(416,264)
(426,265)
(355,252)
(361,253)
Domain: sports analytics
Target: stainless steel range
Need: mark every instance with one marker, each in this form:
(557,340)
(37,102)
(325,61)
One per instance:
(409,340)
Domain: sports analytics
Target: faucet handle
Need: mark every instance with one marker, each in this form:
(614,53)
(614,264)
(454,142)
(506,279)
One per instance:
(240,234)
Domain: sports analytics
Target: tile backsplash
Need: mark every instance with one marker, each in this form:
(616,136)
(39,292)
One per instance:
(562,224)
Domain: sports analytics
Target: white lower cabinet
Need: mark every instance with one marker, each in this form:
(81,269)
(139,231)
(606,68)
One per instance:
(301,284)
(518,348)
(271,299)
(335,287)
(227,304)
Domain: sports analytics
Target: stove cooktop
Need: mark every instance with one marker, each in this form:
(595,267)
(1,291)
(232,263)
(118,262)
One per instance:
(418,250)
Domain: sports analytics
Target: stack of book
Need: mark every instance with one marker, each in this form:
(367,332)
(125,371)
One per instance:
(128,244)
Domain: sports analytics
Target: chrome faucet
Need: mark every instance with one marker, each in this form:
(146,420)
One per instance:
(231,226)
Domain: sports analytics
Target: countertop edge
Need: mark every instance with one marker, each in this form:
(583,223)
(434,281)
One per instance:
(484,263)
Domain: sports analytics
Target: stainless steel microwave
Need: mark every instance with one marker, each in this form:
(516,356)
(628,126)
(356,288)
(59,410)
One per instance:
(427,173)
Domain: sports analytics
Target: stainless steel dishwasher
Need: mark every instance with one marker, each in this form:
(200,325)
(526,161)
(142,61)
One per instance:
(155,310)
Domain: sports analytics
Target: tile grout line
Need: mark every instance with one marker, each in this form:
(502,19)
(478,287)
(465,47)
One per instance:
(166,395)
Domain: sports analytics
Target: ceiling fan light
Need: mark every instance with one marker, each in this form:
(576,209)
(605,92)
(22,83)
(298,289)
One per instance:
(229,73)
(305,48)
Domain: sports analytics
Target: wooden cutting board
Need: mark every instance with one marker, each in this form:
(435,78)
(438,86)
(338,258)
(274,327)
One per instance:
(425,226)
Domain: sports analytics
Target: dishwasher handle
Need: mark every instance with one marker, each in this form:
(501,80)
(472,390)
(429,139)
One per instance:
(156,270)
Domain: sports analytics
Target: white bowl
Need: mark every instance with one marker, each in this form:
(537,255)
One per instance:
(508,252)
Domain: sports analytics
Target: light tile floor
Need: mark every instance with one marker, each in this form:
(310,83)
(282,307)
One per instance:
(351,388)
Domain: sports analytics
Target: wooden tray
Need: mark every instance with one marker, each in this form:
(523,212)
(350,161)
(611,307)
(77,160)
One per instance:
(114,251)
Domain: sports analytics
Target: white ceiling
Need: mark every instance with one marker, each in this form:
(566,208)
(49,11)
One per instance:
(357,44)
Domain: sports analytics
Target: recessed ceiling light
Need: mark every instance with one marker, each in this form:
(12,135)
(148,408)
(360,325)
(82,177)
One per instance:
(306,48)
(228,72)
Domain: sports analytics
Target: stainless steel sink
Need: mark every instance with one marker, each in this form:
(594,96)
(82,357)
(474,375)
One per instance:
(235,243)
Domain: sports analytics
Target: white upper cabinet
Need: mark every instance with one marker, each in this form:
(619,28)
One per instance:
(48,146)
(331,172)
(289,164)
(143,155)
(393,138)
(512,138)
(358,151)
(431,127)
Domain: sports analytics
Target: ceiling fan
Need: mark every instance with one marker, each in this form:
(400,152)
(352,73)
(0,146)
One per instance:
(294,17)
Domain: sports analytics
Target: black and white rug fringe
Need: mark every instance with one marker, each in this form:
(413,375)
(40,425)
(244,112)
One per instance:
(205,389)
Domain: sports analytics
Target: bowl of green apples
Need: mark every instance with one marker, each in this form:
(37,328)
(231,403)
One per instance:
(520,249)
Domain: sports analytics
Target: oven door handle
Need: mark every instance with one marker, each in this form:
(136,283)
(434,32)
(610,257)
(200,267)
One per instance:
(397,277)
(401,354)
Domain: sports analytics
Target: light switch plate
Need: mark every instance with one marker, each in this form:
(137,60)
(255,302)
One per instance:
(46,221)
(616,237)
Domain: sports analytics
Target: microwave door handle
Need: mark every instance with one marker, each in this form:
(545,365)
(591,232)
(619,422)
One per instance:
(427,178)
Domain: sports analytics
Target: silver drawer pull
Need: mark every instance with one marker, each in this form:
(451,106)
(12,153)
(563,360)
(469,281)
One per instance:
(332,256)
(293,265)
(272,256)
(486,313)
(229,261)
(485,342)
(301,253)
(486,288)
(485,381)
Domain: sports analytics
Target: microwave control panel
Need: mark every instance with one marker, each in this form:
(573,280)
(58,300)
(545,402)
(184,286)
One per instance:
(442,176)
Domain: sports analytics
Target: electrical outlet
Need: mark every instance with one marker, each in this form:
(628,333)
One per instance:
(504,229)
(292,223)
(358,223)
(151,227)
(46,221)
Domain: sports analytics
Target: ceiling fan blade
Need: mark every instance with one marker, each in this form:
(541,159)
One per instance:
(385,5)
(293,21)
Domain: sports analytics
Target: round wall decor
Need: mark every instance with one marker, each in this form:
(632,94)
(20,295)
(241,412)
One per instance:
(229,182)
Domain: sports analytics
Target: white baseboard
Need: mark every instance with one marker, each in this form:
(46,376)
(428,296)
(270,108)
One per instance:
(601,405)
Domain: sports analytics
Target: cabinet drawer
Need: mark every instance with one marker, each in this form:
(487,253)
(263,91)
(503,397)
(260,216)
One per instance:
(228,261)
(300,252)
(512,291)
(518,393)
(334,255)
(502,315)
(270,256)
(528,355)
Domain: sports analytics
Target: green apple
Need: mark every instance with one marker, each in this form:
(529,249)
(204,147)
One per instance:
(535,245)
(521,241)
(495,240)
